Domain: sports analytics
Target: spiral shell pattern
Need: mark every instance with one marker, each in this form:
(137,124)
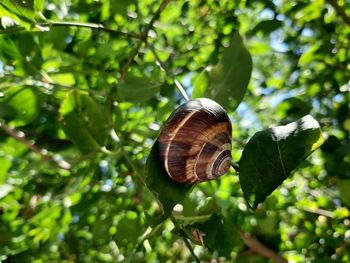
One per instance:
(195,143)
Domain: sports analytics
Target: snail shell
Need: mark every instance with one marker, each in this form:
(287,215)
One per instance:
(195,143)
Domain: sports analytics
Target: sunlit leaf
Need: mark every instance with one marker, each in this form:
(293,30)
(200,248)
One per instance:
(137,89)
(310,55)
(84,121)
(22,10)
(272,154)
(23,102)
(228,80)
(38,5)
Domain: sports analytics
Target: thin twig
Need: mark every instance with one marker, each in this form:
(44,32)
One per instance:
(73,24)
(45,155)
(258,247)
(165,68)
(145,236)
(318,211)
(340,11)
(184,237)
(143,37)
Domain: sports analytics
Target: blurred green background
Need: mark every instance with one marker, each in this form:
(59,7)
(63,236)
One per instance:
(83,97)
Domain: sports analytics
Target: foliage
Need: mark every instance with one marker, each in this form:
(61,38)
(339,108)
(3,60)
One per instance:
(86,87)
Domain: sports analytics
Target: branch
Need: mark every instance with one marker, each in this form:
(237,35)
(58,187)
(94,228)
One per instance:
(45,155)
(72,24)
(143,37)
(340,11)
(167,71)
(258,247)
(184,237)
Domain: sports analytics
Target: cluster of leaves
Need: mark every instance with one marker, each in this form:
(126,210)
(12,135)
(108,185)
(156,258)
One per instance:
(86,86)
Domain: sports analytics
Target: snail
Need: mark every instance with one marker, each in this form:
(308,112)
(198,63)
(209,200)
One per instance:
(195,143)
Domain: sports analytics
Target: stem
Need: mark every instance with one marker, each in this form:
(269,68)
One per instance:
(73,24)
(45,155)
(146,235)
(165,68)
(258,247)
(143,37)
(184,237)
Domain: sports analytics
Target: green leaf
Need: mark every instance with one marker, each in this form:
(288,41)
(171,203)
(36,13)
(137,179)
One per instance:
(310,55)
(4,167)
(129,227)
(292,108)
(84,121)
(9,49)
(38,5)
(23,101)
(137,89)
(168,192)
(272,154)
(228,80)
(267,26)
(200,83)
(120,7)
(344,193)
(219,234)
(22,10)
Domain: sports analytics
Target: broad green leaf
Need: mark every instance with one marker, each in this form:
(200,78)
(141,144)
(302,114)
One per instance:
(63,79)
(272,154)
(136,89)
(9,49)
(84,121)
(336,153)
(292,108)
(38,5)
(23,101)
(267,26)
(129,227)
(228,80)
(5,165)
(168,192)
(22,10)
(200,83)
(219,234)
(344,193)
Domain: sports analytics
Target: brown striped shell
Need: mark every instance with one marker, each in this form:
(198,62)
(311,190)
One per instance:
(195,143)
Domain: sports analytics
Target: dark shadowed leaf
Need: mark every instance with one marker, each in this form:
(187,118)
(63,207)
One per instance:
(272,154)
(168,192)
(218,234)
(228,80)
(267,26)
(292,109)
(137,89)
(344,193)
(84,121)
